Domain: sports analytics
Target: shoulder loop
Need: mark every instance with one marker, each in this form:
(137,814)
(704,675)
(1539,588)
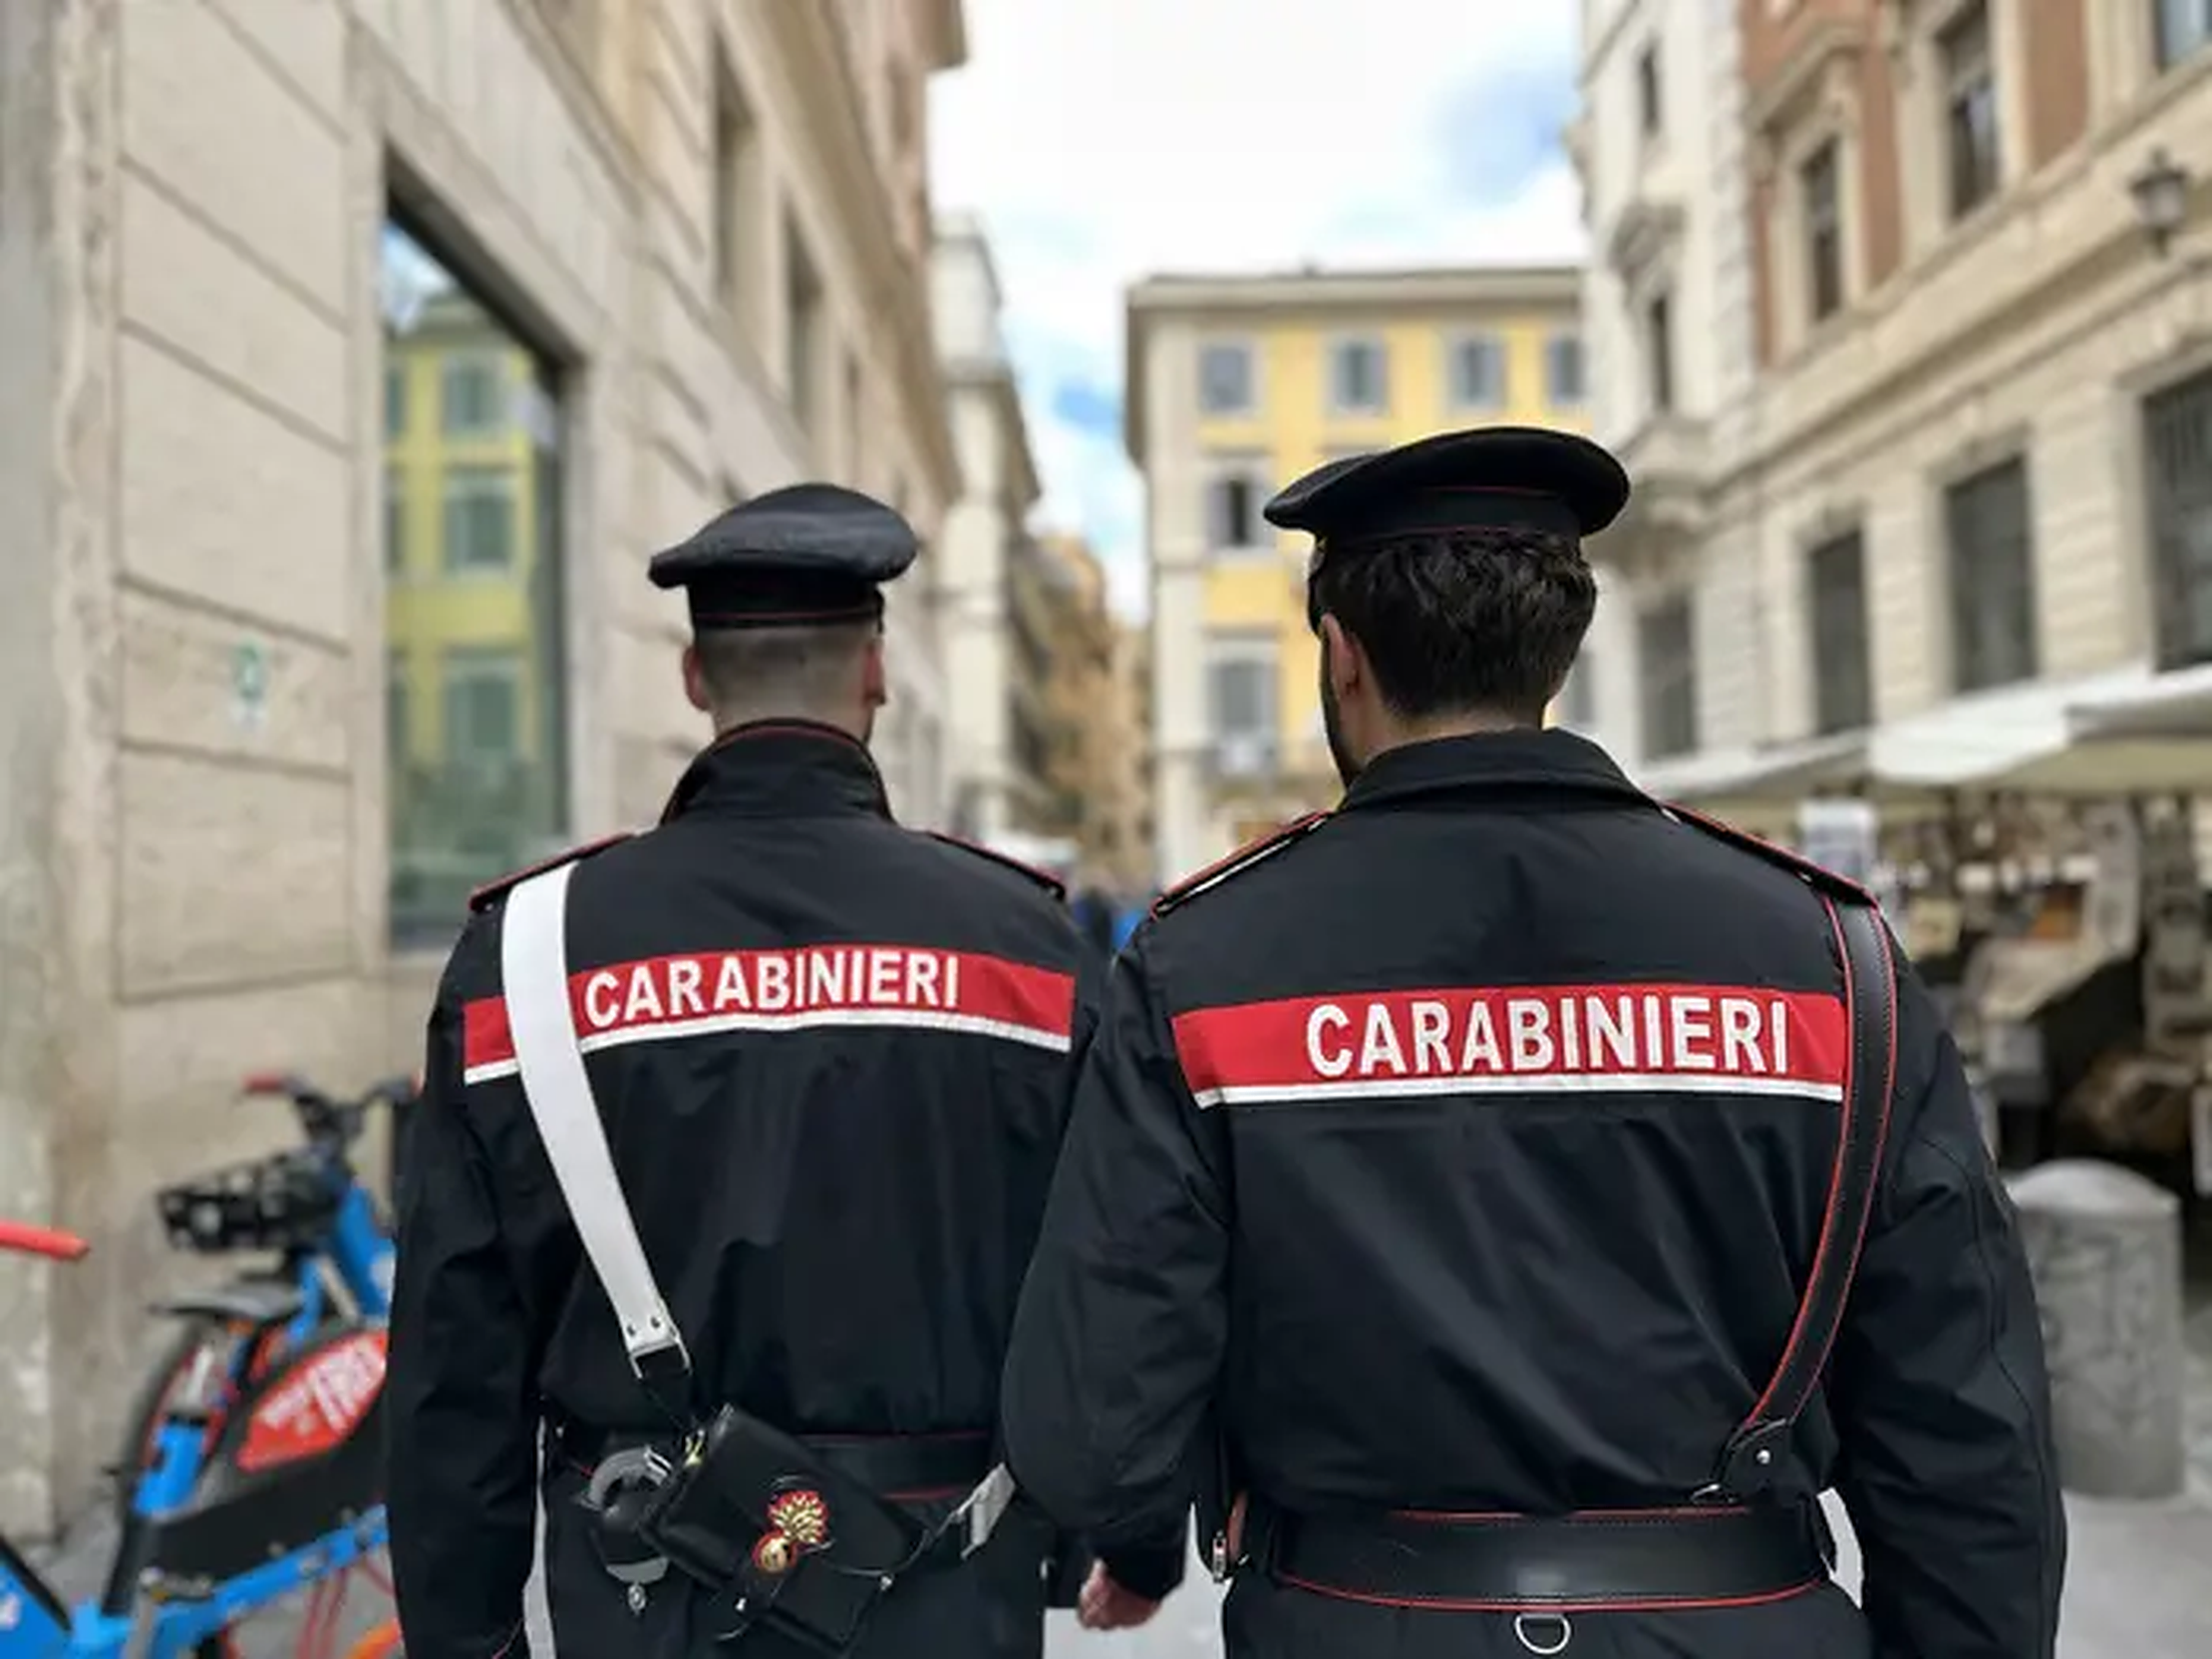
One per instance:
(492,891)
(1042,878)
(1818,876)
(1244,859)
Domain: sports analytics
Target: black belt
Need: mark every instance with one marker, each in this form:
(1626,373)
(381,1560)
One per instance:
(905,1469)
(1620,1560)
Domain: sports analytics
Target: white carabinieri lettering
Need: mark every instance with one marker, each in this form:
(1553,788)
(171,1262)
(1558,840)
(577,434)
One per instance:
(844,978)
(1598,1038)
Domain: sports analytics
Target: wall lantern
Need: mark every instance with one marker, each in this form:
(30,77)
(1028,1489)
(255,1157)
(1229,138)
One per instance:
(2161,193)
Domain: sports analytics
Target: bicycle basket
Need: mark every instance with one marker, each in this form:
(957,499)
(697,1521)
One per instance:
(284,1202)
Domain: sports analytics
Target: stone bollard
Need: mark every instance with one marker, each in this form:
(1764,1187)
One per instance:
(2105,1245)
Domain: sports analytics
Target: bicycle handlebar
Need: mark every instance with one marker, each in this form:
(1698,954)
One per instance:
(323,1116)
(41,1241)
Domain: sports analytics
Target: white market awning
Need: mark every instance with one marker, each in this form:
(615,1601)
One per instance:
(2132,731)
(1761,787)
(1984,741)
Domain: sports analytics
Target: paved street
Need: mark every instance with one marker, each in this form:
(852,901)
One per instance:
(2131,1594)
(2133,1582)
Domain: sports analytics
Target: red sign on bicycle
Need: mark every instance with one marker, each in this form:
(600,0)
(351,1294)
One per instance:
(316,1408)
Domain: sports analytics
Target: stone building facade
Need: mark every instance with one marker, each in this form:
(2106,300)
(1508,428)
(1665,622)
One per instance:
(1667,307)
(987,559)
(1098,765)
(1965,486)
(358,352)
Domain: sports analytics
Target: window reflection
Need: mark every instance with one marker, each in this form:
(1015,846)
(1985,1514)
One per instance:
(473,613)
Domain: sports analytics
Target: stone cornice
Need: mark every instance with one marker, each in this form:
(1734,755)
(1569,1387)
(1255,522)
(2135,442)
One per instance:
(1813,69)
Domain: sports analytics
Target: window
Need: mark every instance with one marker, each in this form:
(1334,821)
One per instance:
(1359,376)
(1667,665)
(1241,699)
(1477,369)
(480,520)
(1842,682)
(1225,378)
(475,396)
(733,137)
(1651,110)
(1563,374)
(395,520)
(1659,352)
(2177,450)
(1233,500)
(1970,108)
(2183,28)
(1993,581)
(399,709)
(1820,200)
(472,683)
(484,706)
(855,406)
(395,399)
(802,326)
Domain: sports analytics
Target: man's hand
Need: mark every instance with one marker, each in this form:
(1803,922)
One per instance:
(1105,1605)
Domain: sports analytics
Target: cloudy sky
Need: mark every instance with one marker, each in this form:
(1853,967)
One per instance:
(1104,140)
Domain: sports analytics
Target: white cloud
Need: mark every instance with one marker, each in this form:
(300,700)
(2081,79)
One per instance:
(1104,140)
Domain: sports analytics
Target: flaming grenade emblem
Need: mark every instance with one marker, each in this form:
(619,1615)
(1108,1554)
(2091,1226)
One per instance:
(797,1521)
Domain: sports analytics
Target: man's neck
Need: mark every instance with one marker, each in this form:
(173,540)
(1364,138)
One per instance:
(735,720)
(1469,724)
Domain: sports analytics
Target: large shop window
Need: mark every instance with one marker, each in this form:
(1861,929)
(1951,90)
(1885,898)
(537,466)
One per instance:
(473,616)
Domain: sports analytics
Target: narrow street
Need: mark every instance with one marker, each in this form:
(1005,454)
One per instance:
(2125,1562)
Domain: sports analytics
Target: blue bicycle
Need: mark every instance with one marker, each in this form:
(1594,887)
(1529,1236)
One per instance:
(306,1206)
(251,1500)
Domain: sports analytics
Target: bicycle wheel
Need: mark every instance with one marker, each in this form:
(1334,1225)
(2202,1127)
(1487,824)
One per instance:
(150,1409)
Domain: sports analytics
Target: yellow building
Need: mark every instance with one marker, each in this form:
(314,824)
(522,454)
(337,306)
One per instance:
(471,476)
(1235,386)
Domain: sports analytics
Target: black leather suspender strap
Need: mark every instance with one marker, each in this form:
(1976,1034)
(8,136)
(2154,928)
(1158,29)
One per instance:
(1753,1454)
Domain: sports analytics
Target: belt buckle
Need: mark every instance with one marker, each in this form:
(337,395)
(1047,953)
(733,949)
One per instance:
(1543,1650)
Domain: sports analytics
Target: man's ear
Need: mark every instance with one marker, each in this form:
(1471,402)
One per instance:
(695,681)
(876,680)
(1347,668)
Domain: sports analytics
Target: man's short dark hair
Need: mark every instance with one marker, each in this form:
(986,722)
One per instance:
(765,672)
(1476,620)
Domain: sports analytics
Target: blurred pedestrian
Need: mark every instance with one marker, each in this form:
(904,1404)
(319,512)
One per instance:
(734,1142)
(1508,1202)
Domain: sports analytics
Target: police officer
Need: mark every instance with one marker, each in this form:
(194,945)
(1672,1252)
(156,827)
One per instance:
(828,1056)
(1465,1184)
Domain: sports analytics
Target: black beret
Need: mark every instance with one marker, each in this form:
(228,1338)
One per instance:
(803,555)
(1518,478)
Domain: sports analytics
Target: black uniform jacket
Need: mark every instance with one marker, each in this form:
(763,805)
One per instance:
(1471,1144)
(832,1058)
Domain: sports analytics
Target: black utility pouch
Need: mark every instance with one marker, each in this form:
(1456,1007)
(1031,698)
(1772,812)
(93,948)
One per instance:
(755,1514)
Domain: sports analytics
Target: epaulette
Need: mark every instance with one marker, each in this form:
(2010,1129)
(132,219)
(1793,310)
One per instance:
(1042,878)
(492,891)
(1818,876)
(1244,859)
